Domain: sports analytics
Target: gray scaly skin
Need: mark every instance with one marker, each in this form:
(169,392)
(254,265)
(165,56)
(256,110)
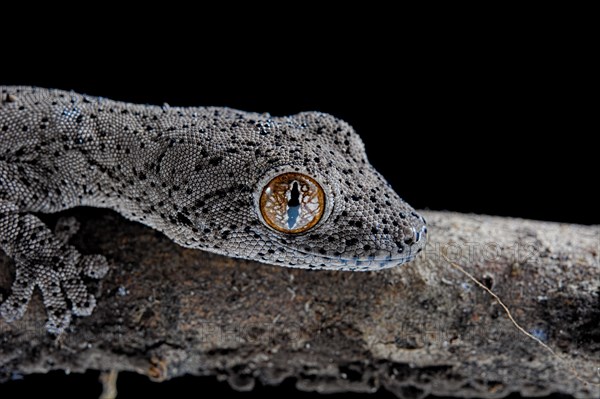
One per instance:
(194,174)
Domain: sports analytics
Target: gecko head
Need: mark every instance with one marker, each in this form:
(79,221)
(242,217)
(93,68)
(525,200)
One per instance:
(299,191)
(326,207)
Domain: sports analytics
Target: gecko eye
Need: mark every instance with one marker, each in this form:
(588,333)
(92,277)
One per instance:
(292,203)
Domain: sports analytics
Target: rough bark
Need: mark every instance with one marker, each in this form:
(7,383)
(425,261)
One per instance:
(419,329)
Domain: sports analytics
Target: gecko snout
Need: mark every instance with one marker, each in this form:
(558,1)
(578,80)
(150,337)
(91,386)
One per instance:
(411,236)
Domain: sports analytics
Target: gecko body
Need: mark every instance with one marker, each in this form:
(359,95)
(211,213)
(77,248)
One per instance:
(294,191)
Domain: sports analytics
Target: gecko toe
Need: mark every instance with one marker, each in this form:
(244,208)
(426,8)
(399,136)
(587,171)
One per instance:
(94,266)
(15,305)
(58,313)
(82,303)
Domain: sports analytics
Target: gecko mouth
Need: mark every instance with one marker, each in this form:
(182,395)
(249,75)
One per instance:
(384,259)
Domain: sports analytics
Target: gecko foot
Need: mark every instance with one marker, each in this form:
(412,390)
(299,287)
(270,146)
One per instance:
(59,278)
(94,266)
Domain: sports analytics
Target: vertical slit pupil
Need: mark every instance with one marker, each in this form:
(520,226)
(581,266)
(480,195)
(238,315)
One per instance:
(295,196)
(293,206)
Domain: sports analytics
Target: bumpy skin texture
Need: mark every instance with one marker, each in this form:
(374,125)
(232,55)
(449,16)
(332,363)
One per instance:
(195,174)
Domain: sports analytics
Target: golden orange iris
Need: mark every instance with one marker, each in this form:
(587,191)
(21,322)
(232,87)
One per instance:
(292,203)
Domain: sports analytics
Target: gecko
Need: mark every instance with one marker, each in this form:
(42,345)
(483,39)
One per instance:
(295,191)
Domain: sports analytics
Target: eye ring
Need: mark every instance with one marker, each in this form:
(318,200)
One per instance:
(292,203)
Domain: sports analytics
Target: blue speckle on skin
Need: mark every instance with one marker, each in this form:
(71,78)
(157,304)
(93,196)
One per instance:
(292,212)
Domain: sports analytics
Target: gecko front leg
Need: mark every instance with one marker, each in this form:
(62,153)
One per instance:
(45,260)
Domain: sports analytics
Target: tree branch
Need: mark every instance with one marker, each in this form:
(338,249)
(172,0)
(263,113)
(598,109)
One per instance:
(419,329)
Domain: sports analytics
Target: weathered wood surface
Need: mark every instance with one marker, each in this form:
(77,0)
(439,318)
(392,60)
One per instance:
(419,329)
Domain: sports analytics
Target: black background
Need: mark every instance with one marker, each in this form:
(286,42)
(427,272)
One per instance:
(486,119)
(489,129)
